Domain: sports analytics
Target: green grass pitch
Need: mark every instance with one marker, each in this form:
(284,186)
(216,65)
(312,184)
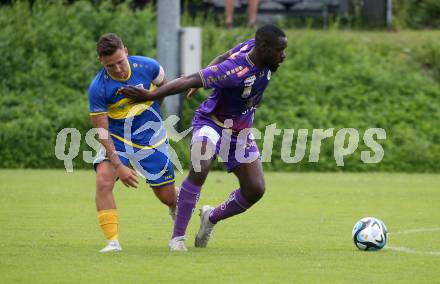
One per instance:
(300,232)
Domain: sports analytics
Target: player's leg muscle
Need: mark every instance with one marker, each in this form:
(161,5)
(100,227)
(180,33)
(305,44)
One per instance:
(251,180)
(166,194)
(198,176)
(105,180)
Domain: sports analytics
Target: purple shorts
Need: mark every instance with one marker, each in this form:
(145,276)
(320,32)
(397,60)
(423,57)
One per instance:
(233,150)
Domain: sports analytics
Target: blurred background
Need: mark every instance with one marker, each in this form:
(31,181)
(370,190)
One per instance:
(350,64)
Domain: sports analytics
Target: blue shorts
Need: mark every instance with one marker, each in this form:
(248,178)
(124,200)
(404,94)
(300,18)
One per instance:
(154,164)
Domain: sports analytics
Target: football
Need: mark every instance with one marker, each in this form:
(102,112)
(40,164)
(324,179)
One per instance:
(370,233)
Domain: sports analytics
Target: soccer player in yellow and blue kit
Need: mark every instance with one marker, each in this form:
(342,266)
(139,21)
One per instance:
(129,131)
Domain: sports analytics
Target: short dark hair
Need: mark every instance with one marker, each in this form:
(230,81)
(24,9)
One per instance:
(108,43)
(268,33)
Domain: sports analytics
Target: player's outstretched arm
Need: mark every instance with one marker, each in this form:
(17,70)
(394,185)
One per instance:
(164,81)
(219,59)
(126,175)
(174,87)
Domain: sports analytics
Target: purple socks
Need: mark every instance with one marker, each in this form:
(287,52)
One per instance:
(188,197)
(235,204)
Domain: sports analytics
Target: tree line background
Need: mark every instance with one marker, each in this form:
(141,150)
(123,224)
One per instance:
(330,79)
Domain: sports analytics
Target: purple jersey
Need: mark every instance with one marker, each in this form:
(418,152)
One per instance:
(238,88)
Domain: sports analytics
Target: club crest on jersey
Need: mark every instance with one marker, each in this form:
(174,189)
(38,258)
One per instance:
(213,68)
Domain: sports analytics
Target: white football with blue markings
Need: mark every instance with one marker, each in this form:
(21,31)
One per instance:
(370,233)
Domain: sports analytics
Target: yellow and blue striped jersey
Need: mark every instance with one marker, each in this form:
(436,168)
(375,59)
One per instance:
(138,124)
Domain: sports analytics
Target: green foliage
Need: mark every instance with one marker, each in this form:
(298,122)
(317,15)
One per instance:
(417,13)
(329,80)
(346,80)
(48,62)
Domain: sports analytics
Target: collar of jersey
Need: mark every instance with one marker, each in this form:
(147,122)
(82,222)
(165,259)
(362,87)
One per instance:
(248,59)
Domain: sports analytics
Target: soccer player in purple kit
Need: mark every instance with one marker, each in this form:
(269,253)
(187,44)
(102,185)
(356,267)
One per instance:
(239,78)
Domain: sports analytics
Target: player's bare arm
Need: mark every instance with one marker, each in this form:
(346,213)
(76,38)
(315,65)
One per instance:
(164,81)
(174,87)
(219,59)
(125,174)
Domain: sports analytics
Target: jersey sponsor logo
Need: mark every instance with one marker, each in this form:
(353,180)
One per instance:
(235,70)
(243,72)
(212,79)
